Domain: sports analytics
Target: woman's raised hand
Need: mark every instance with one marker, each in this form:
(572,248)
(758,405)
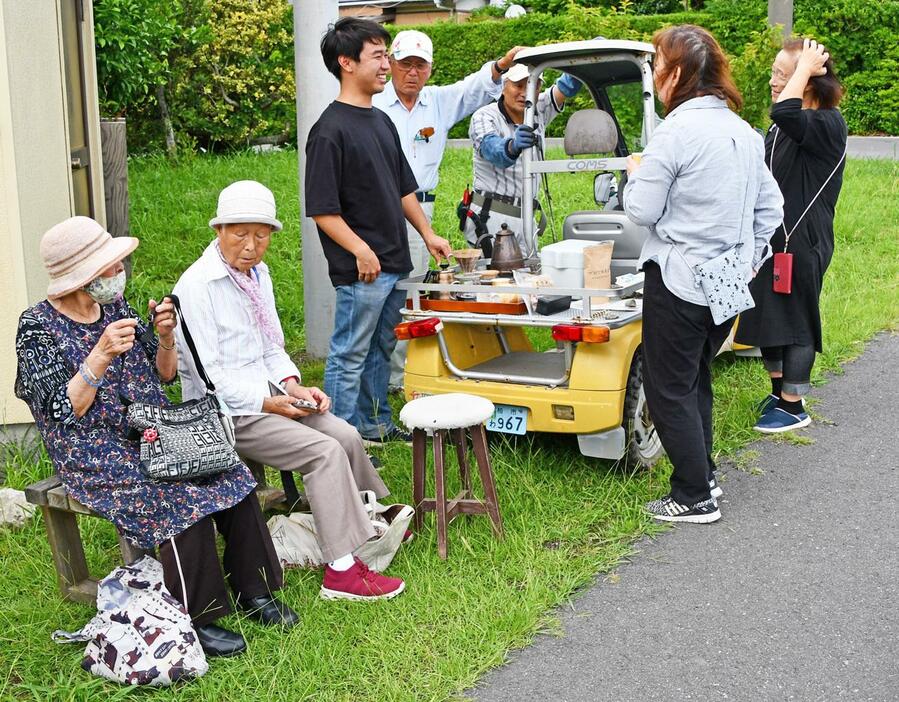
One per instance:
(812,58)
(117,338)
(164,318)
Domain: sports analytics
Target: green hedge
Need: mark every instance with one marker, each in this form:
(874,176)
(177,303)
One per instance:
(860,33)
(230,76)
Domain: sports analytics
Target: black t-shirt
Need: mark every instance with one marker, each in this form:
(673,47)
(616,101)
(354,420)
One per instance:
(355,167)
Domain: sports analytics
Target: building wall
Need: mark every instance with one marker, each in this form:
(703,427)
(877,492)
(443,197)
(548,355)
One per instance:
(402,15)
(12,265)
(35,169)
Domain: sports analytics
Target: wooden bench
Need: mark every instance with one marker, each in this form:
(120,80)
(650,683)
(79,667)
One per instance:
(61,521)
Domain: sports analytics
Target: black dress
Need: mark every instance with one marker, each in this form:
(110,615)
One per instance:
(807,145)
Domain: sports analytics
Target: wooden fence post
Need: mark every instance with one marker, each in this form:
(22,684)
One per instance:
(115,175)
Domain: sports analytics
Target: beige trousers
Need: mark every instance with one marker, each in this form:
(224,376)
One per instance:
(329,454)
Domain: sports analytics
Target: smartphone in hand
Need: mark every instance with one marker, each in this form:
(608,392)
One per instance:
(299,404)
(304,404)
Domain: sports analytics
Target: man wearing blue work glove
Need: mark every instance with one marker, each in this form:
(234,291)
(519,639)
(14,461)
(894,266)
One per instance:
(523,138)
(498,138)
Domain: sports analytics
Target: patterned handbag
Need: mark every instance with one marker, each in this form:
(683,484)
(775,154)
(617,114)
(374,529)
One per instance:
(187,441)
(141,635)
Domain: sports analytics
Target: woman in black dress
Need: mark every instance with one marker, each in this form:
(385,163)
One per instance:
(805,149)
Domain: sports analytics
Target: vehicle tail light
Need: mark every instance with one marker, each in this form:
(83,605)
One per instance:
(567,332)
(596,335)
(418,328)
(576,332)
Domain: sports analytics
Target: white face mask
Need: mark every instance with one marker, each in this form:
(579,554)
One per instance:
(105,290)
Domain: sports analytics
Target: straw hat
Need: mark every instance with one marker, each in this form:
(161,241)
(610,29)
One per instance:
(77,250)
(246,201)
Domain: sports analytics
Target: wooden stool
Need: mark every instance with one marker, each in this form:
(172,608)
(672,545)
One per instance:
(442,416)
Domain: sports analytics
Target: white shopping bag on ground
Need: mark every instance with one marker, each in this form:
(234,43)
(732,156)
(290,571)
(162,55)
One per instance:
(296,543)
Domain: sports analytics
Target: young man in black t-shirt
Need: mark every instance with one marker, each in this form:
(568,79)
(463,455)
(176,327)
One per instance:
(360,191)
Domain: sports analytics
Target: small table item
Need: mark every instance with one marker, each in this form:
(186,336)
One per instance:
(444,416)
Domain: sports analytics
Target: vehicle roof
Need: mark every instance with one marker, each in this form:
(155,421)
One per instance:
(599,61)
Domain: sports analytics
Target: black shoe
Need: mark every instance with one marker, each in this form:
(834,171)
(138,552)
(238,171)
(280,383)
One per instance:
(375,461)
(218,642)
(668,509)
(269,611)
(393,435)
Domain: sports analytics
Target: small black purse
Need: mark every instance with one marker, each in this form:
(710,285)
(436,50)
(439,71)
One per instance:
(187,441)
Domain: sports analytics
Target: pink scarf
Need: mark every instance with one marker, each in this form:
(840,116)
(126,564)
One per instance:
(249,284)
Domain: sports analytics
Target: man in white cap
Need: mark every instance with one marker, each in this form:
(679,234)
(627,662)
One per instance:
(498,138)
(227,300)
(423,115)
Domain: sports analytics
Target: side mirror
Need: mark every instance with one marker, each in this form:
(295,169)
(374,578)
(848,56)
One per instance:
(602,187)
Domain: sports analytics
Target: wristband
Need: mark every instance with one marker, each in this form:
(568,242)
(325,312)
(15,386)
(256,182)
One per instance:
(167,348)
(87,375)
(289,377)
(498,69)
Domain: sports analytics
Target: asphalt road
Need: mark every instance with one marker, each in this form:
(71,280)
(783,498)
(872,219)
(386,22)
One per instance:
(792,595)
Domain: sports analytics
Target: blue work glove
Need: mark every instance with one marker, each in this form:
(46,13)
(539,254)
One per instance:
(569,85)
(524,138)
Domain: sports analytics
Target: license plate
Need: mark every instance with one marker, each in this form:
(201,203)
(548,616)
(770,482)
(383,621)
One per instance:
(508,419)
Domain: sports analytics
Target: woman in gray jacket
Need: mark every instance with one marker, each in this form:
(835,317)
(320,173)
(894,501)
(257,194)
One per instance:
(703,190)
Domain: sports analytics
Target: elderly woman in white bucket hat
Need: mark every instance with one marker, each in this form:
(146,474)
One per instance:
(83,355)
(227,299)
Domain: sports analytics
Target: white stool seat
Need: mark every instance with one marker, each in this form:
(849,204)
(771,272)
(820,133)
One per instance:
(454,410)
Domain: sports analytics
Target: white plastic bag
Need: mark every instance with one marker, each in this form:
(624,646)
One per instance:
(296,542)
(141,634)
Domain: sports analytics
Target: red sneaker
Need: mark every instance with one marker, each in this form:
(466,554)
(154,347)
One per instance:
(359,583)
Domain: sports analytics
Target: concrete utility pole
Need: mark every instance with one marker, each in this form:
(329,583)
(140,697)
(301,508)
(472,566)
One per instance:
(781,12)
(316,88)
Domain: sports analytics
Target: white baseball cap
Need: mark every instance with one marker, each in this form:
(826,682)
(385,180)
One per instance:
(410,42)
(518,72)
(246,201)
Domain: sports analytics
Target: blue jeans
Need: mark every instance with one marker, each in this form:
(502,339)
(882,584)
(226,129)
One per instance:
(358,366)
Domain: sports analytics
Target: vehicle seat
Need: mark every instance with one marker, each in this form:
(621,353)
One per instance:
(590,132)
(594,132)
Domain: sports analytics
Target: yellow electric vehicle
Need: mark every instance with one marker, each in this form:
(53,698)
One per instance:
(590,382)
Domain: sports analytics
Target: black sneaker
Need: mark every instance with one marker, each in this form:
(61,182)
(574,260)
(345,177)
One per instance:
(668,510)
(394,435)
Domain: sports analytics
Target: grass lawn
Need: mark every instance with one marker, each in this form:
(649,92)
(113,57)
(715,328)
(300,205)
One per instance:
(568,518)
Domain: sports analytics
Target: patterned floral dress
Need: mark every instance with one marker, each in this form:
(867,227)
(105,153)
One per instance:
(94,455)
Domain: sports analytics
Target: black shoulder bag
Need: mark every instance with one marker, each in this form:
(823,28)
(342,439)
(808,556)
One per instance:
(187,441)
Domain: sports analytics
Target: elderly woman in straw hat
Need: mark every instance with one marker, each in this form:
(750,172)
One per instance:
(83,355)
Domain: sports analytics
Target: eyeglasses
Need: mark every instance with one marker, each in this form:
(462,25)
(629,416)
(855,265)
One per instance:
(780,75)
(406,66)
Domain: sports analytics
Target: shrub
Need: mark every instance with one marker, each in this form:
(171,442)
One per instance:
(240,83)
(227,65)
(133,40)
(751,71)
(872,98)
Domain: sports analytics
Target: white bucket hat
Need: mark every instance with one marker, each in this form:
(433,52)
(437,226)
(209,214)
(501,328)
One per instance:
(518,72)
(246,201)
(410,42)
(79,249)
